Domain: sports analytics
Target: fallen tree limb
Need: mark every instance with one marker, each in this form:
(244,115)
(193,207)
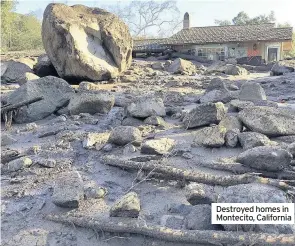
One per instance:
(11,107)
(238,168)
(126,225)
(194,176)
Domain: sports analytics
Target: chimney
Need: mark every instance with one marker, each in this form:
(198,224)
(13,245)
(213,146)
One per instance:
(186,22)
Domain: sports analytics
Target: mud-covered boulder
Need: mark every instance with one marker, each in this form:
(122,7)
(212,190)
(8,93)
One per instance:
(255,193)
(55,91)
(251,91)
(162,146)
(126,206)
(86,43)
(268,120)
(181,66)
(199,194)
(122,135)
(230,69)
(279,68)
(216,84)
(145,107)
(91,103)
(15,72)
(214,96)
(204,114)
(231,122)
(269,158)
(212,136)
(250,140)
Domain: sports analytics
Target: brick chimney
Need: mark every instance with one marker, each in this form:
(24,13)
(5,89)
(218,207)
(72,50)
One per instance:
(186,21)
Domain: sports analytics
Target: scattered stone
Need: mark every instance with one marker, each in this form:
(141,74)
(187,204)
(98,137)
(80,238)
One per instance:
(55,91)
(212,136)
(126,206)
(280,69)
(216,84)
(147,106)
(162,146)
(235,70)
(93,191)
(129,148)
(87,86)
(204,114)
(216,96)
(291,149)
(231,122)
(251,91)
(265,158)
(269,121)
(100,46)
(122,135)
(51,163)
(91,103)
(255,193)
(199,194)
(15,72)
(250,140)
(172,221)
(7,139)
(200,218)
(68,190)
(158,65)
(107,148)
(181,66)
(31,126)
(97,139)
(231,138)
(155,121)
(237,105)
(17,164)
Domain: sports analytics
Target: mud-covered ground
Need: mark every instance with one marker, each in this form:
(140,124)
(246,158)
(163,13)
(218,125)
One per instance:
(26,194)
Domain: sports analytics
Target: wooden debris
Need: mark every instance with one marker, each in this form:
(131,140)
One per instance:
(207,237)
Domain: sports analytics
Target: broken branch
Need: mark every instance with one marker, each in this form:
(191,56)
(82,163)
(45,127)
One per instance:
(11,107)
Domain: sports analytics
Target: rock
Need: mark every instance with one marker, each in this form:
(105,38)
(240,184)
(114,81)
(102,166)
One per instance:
(122,135)
(17,165)
(130,121)
(231,138)
(216,96)
(199,194)
(155,121)
(234,70)
(204,114)
(91,103)
(93,191)
(200,218)
(181,66)
(56,93)
(250,140)
(99,139)
(126,206)
(96,45)
(107,148)
(251,91)
(172,221)
(269,121)
(129,149)
(15,72)
(146,106)
(158,65)
(44,67)
(265,158)
(230,122)
(182,209)
(7,139)
(216,84)
(255,193)
(68,190)
(162,146)
(291,149)
(212,136)
(31,127)
(279,68)
(27,77)
(237,105)
(51,163)
(87,86)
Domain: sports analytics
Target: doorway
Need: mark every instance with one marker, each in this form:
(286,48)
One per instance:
(272,54)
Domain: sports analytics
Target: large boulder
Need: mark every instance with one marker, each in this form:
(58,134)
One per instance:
(181,66)
(162,146)
(91,103)
(126,206)
(255,193)
(250,140)
(44,67)
(268,120)
(216,96)
(122,135)
(204,114)
(231,122)
(15,72)
(86,43)
(212,136)
(145,107)
(251,91)
(56,93)
(279,68)
(265,158)
(230,69)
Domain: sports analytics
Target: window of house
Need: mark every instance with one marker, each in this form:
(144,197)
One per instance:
(212,53)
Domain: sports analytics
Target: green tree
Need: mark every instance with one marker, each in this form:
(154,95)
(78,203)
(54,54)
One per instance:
(243,18)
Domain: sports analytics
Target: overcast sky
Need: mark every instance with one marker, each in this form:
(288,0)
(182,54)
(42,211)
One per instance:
(202,12)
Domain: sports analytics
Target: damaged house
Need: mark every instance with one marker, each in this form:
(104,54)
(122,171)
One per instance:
(249,44)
